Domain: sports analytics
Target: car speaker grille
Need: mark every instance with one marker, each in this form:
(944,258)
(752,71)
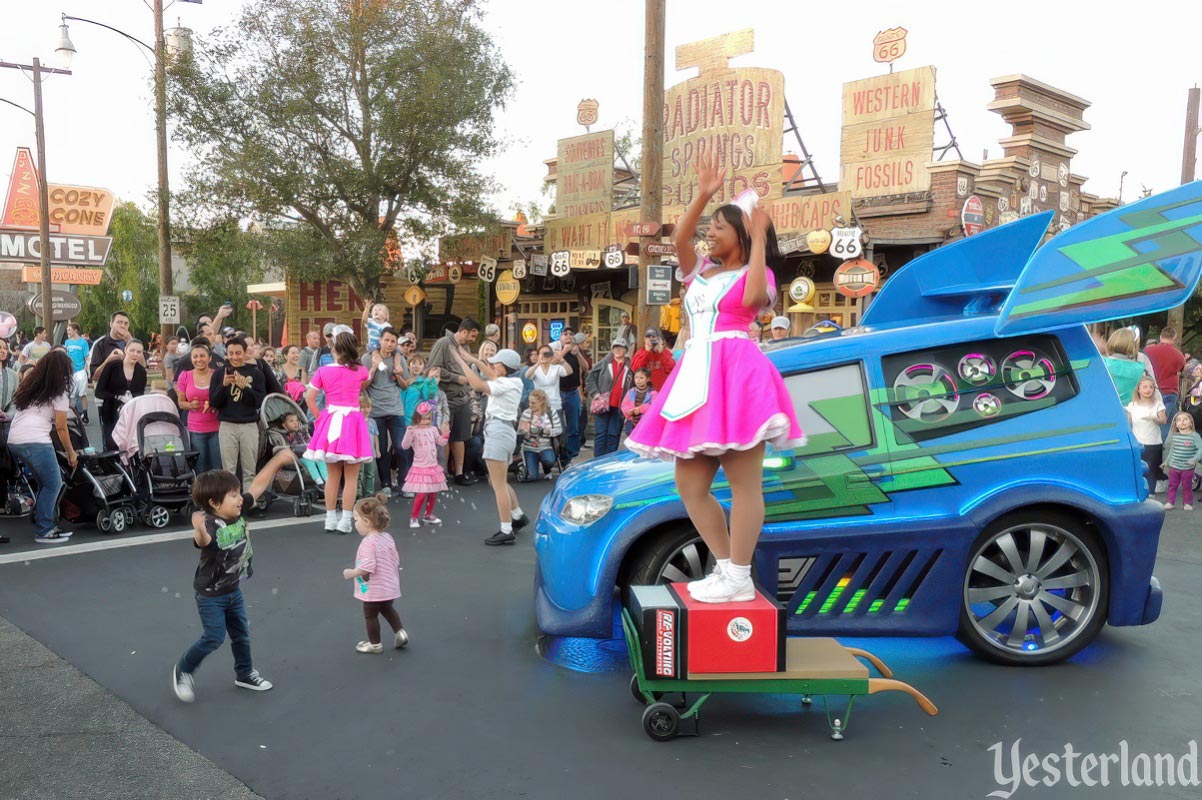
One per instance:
(830,584)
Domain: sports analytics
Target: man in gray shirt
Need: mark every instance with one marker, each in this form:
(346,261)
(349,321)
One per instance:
(388,382)
(442,355)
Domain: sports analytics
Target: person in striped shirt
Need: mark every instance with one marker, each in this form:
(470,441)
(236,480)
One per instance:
(1181,452)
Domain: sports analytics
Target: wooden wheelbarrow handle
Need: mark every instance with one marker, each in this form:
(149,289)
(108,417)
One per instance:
(876,662)
(889,685)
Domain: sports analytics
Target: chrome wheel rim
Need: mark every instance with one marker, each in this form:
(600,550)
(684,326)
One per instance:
(1032,589)
(690,562)
(159,517)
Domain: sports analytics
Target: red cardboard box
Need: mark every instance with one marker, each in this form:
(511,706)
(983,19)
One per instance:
(733,637)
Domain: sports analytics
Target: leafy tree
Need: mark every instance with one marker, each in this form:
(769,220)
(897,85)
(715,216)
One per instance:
(222,260)
(352,117)
(133,265)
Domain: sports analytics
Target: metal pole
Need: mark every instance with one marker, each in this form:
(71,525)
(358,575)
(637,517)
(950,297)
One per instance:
(43,202)
(1189,152)
(651,181)
(160,119)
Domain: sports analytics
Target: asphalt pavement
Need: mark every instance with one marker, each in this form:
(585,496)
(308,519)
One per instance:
(471,708)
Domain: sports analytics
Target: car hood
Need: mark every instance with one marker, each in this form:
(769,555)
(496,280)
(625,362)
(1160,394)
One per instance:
(623,475)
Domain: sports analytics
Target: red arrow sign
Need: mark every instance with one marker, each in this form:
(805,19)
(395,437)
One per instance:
(660,249)
(642,228)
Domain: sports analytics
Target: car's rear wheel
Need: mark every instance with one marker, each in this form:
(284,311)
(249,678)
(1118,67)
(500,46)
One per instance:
(677,554)
(1035,590)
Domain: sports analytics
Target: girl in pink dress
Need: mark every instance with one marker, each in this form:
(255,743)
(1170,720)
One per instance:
(701,418)
(340,436)
(425,477)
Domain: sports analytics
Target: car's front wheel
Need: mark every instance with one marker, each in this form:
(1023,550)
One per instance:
(1035,590)
(674,555)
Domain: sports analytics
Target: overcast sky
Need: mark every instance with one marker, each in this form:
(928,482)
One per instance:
(1135,69)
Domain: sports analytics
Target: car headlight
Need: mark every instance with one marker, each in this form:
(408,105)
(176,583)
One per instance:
(587,508)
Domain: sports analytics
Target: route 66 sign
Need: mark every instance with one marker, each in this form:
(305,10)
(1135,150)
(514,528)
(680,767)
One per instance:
(519,268)
(487,270)
(845,242)
(888,46)
(561,263)
(614,259)
(413,275)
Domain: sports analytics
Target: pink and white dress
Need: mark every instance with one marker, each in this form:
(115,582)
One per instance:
(424,475)
(724,393)
(340,433)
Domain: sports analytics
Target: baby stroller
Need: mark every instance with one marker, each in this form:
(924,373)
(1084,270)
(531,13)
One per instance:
(17,497)
(292,480)
(164,469)
(518,465)
(99,489)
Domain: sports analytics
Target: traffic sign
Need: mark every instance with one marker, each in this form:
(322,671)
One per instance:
(487,270)
(845,242)
(972,216)
(454,273)
(63,305)
(642,228)
(519,268)
(414,295)
(169,310)
(561,263)
(614,259)
(659,285)
(660,249)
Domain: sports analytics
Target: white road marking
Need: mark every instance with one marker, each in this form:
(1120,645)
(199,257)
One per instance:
(53,551)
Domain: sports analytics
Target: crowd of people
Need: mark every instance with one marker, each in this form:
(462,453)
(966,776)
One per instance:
(430,419)
(1161,388)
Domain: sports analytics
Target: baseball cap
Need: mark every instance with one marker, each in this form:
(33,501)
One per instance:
(619,342)
(228,331)
(780,322)
(508,357)
(343,329)
(328,330)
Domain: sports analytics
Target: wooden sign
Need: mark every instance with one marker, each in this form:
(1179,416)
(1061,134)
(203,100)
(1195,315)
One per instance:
(660,249)
(585,259)
(578,233)
(642,228)
(800,215)
(508,288)
(585,175)
(888,133)
(735,115)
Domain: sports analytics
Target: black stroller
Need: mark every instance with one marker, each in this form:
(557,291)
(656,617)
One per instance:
(16,493)
(164,468)
(292,480)
(99,489)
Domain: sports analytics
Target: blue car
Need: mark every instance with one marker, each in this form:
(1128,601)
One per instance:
(970,469)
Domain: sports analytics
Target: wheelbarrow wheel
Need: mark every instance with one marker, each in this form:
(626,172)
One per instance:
(661,722)
(638,695)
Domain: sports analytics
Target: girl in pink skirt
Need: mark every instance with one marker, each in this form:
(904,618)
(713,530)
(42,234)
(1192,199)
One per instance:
(425,477)
(701,418)
(340,436)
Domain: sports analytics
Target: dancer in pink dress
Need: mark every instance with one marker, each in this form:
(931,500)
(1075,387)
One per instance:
(702,418)
(340,436)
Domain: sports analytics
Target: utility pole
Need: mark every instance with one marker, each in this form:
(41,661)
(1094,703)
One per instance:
(651,180)
(166,283)
(1189,157)
(43,203)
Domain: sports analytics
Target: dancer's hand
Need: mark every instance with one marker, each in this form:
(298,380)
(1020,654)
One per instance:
(709,179)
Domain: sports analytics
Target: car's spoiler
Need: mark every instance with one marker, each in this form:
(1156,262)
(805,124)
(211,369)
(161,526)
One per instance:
(1138,259)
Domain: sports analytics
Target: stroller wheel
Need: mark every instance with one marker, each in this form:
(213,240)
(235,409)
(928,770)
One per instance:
(264,501)
(117,520)
(104,522)
(157,516)
(298,507)
(522,474)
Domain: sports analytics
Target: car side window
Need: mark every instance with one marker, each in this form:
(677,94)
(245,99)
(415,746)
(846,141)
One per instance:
(832,408)
(946,390)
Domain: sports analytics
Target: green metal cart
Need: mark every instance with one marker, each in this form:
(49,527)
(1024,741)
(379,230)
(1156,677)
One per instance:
(813,666)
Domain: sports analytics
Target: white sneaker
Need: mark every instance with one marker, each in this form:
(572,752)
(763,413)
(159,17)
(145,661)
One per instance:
(414,523)
(181,682)
(704,583)
(430,519)
(345,524)
(1188,507)
(724,591)
(1167,506)
(401,639)
(368,647)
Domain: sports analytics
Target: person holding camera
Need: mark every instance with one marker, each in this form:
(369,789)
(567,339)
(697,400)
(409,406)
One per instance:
(655,358)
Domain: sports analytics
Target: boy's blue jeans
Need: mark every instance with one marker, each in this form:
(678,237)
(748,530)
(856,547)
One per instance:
(218,615)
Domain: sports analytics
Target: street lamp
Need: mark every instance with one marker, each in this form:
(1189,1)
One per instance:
(66,50)
(43,191)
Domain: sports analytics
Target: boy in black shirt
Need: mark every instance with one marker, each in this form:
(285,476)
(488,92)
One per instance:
(220,533)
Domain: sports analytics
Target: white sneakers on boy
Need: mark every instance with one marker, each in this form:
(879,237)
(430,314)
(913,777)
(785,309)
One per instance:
(181,684)
(724,590)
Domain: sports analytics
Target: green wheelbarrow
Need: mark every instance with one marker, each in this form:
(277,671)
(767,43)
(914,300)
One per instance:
(813,667)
